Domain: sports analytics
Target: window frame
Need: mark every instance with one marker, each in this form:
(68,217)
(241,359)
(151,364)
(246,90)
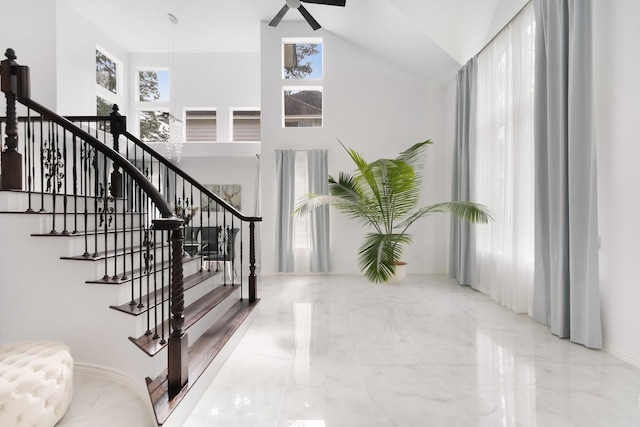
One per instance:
(104,93)
(301,40)
(302,84)
(232,115)
(160,101)
(185,110)
(153,109)
(302,89)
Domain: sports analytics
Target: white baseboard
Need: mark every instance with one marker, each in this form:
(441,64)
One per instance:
(621,354)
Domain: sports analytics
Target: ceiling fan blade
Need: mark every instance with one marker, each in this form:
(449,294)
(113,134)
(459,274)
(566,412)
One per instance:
(314,24)
(327,2)
(276,19)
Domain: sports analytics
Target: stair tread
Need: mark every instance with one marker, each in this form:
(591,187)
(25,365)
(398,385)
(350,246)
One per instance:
(100,256)
(153,297)
(88,232)
(201,353)
(137,273)
(152,343)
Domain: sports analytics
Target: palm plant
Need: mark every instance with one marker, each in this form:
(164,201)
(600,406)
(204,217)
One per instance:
(383,196)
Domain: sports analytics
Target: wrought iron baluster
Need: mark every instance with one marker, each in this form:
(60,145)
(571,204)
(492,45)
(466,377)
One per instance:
(85,163)
(162,288)
(155,288)
(75,185)
(29,157)
(63,176)
(42,161)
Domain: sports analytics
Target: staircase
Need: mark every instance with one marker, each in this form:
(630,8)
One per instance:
(93,251)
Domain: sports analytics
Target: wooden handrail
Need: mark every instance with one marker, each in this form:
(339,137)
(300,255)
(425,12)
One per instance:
(118,159)
(191,180)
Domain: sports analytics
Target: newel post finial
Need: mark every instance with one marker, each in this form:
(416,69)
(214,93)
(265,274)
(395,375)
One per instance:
(11,82)
(11,54)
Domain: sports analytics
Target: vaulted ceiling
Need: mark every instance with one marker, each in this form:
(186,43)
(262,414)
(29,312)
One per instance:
(431,38)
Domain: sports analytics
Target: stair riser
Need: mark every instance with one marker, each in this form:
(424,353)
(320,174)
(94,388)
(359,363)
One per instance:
(124,289)
(92,222)
(19,202)
(123,264)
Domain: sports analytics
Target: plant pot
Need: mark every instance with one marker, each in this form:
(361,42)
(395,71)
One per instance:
(401,273)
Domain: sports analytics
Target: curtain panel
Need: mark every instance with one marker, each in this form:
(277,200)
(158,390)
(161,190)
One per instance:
(285,204)
(566,280)
(318,169)
(462,239)
(504,174)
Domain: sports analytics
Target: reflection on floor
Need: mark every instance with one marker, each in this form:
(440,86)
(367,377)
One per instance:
(337,351)
(330,351)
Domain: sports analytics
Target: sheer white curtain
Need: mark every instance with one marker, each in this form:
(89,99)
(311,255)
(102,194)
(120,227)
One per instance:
(302,242)
(301,235)
(504,165)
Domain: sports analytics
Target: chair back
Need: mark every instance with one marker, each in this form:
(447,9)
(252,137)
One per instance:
(227,246)
(191,234)
(209,240)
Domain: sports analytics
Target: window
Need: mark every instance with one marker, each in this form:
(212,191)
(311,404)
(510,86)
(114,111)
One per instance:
(302,61)
(152,95)
(107,72)
(103,108)
(302,107)
(154,125)
(246,125)
(201,125)
(503,166)
(301,236)
(153,86)
(108,80)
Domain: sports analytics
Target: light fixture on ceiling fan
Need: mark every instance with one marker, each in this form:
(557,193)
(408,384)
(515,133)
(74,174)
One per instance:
(297,4)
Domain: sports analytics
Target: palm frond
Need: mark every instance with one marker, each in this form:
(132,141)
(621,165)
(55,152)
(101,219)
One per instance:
(414,155)
(379,255)
(471,212)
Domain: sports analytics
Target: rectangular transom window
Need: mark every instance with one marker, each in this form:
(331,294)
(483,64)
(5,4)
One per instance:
(302,58)
(246,125)
(302,107)
(153,85)
(201,125)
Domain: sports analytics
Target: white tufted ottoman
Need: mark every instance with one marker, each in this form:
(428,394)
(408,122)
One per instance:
(36,383)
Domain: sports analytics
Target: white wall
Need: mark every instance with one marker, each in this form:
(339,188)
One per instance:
(76,42)
(370,106)
(617,90)
(226,170)
(218,81)
(36,49)
(60,53)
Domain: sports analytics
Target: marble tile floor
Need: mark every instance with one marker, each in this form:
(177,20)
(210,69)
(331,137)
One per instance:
(101,402)
(337,351)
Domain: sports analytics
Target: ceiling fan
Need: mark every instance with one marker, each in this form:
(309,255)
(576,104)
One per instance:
(296,4)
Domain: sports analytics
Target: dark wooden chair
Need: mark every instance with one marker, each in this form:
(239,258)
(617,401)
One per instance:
(209,240)
(226,251)
(191,243)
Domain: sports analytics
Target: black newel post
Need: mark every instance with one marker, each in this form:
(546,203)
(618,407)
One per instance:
(252,262)
(178,351)
(118,127)
(15,84)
